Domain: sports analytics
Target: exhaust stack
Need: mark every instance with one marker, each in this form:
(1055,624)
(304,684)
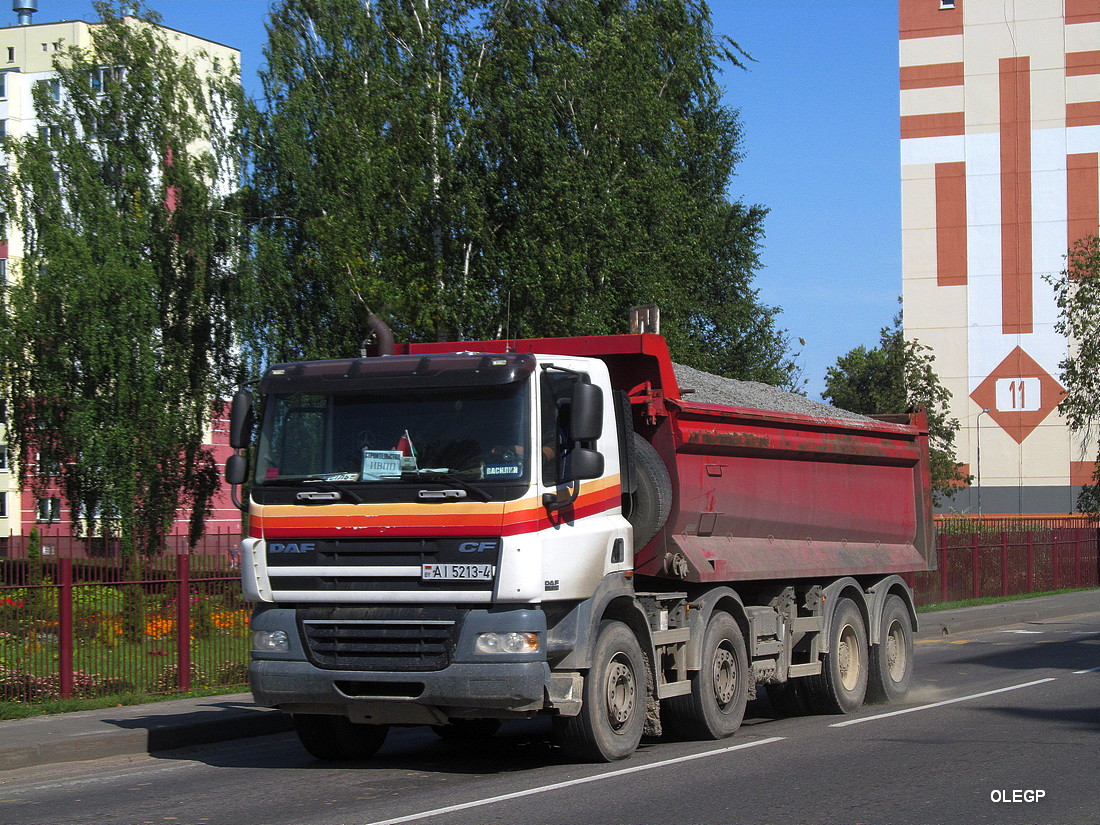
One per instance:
(25,9)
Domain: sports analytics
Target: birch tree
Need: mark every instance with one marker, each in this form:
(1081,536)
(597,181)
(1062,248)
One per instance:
(505,168)
(1077,291)
(116,338)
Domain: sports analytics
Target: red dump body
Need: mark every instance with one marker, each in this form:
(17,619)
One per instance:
(762,494)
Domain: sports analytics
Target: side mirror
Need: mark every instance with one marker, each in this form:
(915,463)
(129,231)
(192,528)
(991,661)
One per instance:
(236,469)
(586,413)
(240,421)
(582,463)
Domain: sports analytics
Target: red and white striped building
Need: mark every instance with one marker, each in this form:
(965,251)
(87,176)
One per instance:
(1000,140)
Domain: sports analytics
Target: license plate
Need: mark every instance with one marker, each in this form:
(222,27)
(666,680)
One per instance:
(457,572)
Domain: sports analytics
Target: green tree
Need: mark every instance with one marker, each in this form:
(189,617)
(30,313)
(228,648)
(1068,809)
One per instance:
(607,153)
(117,325)
(520,168)
(358,200)
(1077,291)
(893,377)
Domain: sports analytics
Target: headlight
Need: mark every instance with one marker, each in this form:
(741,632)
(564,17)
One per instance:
(507,643)
(270,641)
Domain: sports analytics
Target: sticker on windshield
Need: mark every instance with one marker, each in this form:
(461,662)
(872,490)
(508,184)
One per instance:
(381,464)
(502,470)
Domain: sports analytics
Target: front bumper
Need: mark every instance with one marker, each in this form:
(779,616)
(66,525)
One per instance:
(471,685)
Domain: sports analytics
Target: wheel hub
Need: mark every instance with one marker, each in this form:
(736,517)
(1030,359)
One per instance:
(724,677)
(895,653)
(848,658)
(620,694)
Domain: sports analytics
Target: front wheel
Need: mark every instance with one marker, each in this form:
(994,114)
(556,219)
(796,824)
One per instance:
(892,658)
(613,706)
(337,738)
(719,691)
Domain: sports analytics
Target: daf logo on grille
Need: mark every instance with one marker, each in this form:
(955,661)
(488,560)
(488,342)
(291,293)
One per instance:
(294,547)
(477,546)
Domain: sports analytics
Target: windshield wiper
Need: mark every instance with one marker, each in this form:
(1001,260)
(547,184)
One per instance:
(316,481)
(451,478)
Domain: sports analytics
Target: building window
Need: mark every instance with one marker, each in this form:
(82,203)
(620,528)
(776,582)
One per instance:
(3,126)
(3,272)
(11,54)
(3,505)
(47,469)
(4,458)
(3,84)
(49,510)
(52,87)
(104,77)
(947,4)
(50,135)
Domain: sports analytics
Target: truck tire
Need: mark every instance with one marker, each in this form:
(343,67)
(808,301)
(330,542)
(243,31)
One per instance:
(719,691)
(467,730)
(338,739)
(652,499)
(842,684)
(613,707)
(892,658)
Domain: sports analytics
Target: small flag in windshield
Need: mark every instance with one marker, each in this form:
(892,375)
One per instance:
(408,452)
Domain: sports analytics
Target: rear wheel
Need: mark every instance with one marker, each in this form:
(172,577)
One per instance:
(842,684)
(719,691)
(613,707)
(337,738)
(892,658)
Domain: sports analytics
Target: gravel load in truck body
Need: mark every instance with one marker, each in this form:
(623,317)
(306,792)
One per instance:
(701,387)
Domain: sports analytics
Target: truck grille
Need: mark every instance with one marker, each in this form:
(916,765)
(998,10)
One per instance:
(376,566)
(380,638)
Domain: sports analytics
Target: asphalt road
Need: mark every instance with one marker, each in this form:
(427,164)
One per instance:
(1003,726)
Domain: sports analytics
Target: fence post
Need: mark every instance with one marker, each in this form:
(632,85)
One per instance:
(183,621)
(1054,560)
(1004,562)
(975,564)
(943,567)
(1076,558)
(65,627)
(1030,561)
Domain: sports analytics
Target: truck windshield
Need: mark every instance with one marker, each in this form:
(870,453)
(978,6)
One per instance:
(477,434)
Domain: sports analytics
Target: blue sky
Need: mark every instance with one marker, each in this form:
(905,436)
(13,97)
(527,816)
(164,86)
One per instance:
(819,112)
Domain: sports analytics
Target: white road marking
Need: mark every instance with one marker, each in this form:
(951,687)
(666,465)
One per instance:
(940,704)
(477,803)
(1090,670)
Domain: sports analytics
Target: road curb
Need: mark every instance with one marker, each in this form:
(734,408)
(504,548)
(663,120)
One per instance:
(136,729)
(1021,611)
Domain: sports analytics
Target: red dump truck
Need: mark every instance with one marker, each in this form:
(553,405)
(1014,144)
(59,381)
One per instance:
(456,534)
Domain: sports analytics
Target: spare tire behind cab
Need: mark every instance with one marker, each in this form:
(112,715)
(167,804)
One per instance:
(648,506)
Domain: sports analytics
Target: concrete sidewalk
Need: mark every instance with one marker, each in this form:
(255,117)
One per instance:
(139,729)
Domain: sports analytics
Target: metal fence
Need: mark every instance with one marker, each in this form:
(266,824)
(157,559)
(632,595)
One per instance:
(79,621)
(1009,556)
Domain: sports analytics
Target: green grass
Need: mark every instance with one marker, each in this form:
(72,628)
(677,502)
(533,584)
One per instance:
(931,608)
(25,710)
